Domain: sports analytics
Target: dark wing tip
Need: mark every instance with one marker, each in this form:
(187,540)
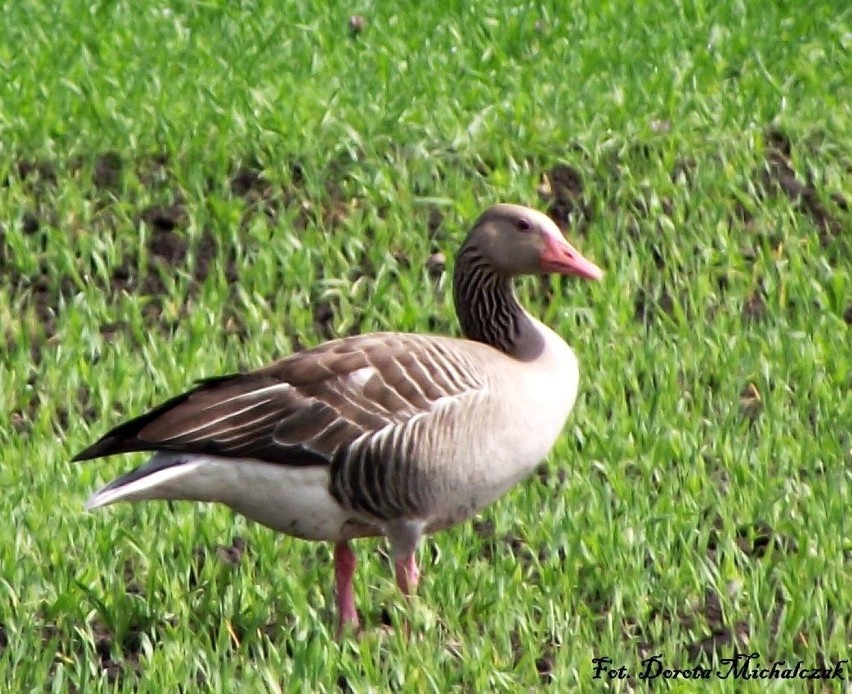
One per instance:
(99,449)
(124,437)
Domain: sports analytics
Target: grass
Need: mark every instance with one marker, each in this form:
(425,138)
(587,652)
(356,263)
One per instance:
(698,151)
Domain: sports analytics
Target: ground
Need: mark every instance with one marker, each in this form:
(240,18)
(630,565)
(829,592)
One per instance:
(202,189)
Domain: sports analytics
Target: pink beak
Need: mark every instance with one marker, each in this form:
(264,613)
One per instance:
(560,256)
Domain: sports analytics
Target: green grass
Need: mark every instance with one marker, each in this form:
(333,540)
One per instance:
(674,492)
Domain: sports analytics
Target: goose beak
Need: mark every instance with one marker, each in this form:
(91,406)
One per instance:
(561,257)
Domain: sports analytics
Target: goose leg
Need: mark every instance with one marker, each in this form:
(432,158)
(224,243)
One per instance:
(404,536)
(407,574)
(344,569)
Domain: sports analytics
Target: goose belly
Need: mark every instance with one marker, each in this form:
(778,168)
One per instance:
(292,500)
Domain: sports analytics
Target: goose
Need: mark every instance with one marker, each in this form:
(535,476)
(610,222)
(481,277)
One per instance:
(385,434)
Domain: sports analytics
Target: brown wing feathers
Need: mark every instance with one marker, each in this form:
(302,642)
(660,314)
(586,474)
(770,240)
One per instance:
(222,416)
(301,410)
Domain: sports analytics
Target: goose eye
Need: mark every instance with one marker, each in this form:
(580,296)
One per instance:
(523,224)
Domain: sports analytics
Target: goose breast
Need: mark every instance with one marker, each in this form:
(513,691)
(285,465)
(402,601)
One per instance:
(500,437)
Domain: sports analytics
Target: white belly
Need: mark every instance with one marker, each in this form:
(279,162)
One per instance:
(292,500)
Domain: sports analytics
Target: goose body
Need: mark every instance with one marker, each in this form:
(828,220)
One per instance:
(387,434)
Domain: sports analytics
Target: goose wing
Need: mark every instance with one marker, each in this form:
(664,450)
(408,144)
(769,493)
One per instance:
(308,408)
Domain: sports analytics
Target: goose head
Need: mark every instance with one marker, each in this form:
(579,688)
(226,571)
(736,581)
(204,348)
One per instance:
(516,240)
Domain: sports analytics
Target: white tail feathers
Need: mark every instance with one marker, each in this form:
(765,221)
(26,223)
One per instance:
(162,477)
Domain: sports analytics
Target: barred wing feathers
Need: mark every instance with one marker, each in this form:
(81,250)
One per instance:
(310,407)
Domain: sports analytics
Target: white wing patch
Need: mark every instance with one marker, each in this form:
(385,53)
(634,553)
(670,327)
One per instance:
(359,377)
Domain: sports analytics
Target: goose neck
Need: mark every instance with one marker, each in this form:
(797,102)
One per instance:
(488,309)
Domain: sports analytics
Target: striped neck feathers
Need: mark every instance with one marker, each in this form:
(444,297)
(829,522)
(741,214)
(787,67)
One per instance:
(488,310)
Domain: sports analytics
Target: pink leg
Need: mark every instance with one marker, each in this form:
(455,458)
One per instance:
(407,574)
(344,569)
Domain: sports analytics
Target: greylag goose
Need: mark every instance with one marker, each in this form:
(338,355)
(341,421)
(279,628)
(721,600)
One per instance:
(388,434)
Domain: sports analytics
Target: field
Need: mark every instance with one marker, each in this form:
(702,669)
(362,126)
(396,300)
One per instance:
(201,189)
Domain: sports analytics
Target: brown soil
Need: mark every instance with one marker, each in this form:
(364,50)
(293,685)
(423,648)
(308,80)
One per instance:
(780,178)
(562,189)
(107,171)
(169,246)
(648,308)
